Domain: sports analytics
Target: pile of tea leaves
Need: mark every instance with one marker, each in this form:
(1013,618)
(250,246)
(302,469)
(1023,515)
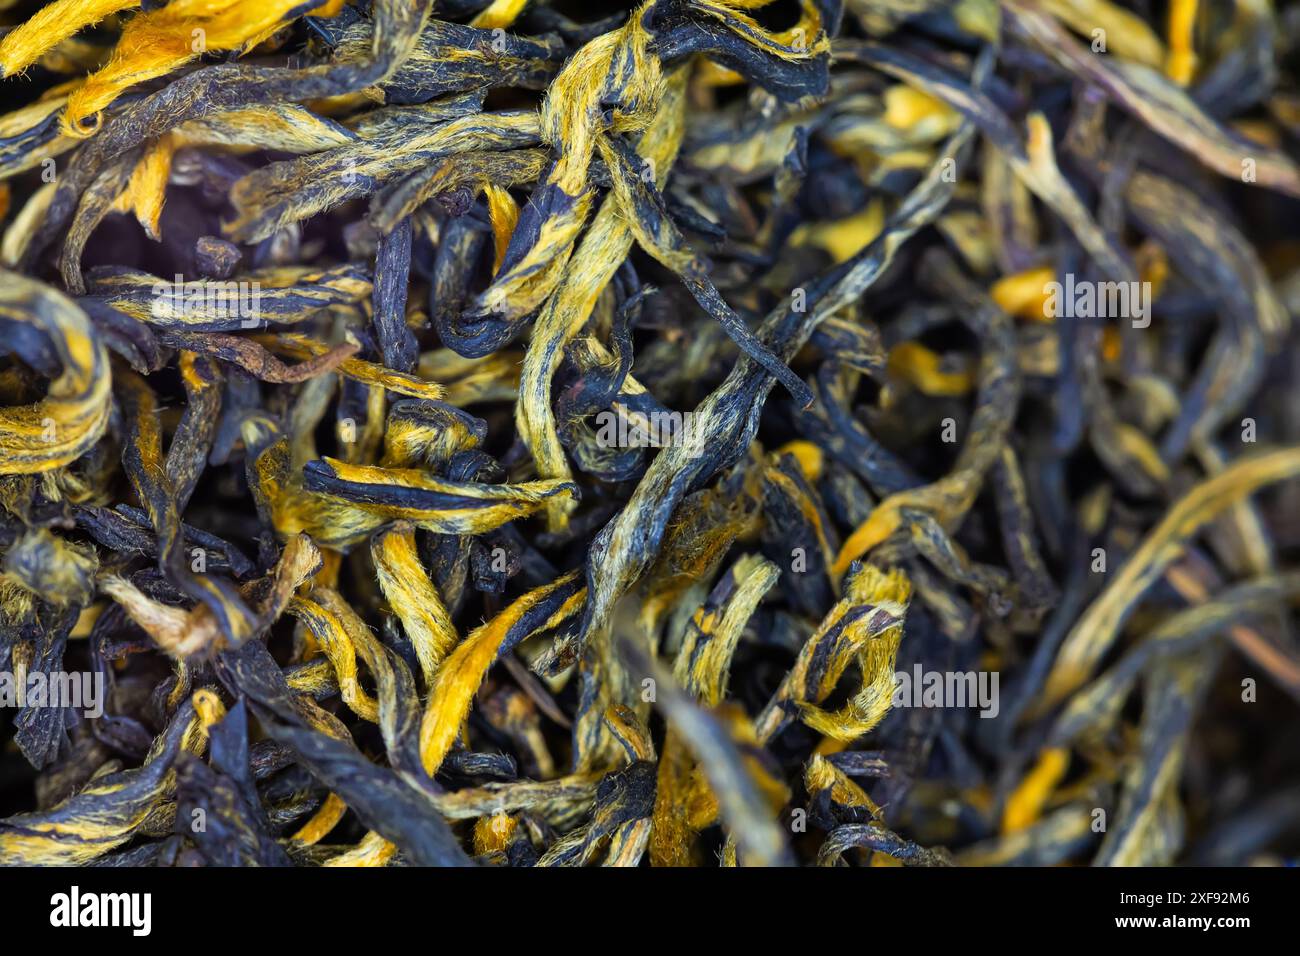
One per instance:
(685,432)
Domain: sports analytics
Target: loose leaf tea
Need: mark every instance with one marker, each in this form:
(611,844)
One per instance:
(673,432)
